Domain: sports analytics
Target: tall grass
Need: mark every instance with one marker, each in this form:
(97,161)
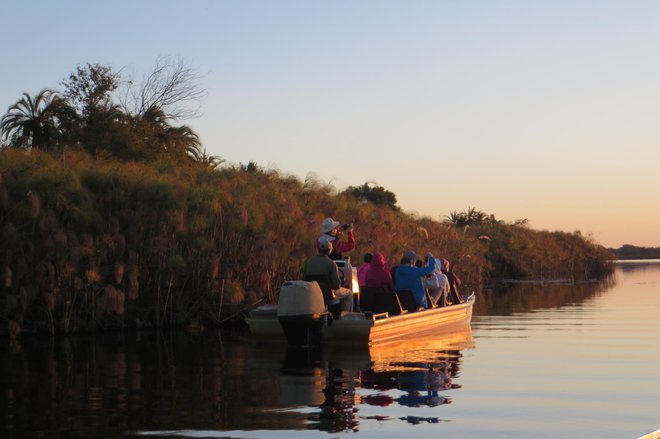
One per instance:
(88,244)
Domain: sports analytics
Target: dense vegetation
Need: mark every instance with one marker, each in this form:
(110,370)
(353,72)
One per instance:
(518,252)
(111,216)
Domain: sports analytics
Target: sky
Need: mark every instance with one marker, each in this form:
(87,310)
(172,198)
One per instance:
(545,110)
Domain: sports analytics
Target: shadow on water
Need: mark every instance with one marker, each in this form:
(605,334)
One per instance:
(119,385)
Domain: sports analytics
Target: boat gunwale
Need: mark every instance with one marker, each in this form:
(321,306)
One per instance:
(386,329)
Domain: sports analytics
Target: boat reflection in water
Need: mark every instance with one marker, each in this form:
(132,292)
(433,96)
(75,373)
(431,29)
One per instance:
(339,388)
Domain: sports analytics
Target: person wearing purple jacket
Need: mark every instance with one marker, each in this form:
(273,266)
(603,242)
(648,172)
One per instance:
(362,269)
(378,275)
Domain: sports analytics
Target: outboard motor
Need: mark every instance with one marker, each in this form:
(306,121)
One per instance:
(301,312)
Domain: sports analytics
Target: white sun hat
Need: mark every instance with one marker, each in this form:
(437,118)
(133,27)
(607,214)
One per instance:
(329,224)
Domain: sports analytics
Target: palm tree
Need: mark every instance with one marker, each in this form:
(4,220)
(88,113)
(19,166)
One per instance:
(181,140)
(475,217)
(201,156)
(458,219)
(33,122)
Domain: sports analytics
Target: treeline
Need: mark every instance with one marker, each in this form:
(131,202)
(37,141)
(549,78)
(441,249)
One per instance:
(515,251)
(112,216)
(633,252)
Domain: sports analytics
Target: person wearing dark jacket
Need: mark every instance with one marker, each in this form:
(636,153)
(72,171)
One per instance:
(324,271)
(454,282)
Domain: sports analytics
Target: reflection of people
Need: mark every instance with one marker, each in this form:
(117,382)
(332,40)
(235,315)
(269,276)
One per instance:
(338,412)
(324,271)
(409,277)
(420,390)
(332,232)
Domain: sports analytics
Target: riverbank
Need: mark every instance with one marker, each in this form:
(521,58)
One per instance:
(90,244)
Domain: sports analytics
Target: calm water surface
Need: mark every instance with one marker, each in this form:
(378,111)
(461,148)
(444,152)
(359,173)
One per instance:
(550,361)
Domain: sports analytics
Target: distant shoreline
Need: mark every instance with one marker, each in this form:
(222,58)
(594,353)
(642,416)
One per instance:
(631,252)
(637,260)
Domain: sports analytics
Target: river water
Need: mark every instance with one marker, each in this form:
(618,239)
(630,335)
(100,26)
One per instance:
(539,361)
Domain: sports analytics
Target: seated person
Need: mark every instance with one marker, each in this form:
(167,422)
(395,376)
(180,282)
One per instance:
(454,282)
(393,271)
(323,270)
(437,285)
(332,231)
(409,277)
(378,275)
(362,269)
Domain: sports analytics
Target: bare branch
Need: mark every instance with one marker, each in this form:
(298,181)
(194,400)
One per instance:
(172,87)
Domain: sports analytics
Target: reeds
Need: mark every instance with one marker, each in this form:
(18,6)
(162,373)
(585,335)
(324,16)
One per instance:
(100,244)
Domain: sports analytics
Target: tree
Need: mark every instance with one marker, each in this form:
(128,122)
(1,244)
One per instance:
(99,125)
(470,217)
(89,89)
(161,137)
(458,219)
(201,156)
(170,88)
(374,194)
(33,122)
(164,96)
(86,115)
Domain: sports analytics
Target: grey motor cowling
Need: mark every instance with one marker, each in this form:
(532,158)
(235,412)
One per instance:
(301,312)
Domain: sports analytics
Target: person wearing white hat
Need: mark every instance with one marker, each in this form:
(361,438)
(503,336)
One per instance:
(331,231)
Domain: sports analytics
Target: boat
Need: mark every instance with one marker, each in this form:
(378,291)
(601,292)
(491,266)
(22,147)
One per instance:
(302,319)
(362,327)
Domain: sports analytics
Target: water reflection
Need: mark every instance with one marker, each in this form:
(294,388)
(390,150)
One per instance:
(639,265)
(129,384)
(108,385)
(411,374)
(511,298)
(574,342)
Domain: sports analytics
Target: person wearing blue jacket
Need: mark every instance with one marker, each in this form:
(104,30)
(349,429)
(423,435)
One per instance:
(409,277)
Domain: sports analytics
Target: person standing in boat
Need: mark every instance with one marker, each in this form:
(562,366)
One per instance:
(454,282)
(332,231)
(410,277)
(324,271)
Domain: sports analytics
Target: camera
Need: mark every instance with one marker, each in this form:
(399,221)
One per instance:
(346,226)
